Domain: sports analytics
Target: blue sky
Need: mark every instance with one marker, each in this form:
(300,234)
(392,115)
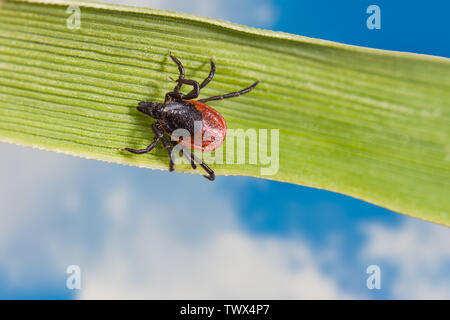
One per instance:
(137,233)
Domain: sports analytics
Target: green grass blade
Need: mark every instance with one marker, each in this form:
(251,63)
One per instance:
(368,123)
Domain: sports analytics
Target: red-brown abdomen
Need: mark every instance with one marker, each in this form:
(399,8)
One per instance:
(214,129)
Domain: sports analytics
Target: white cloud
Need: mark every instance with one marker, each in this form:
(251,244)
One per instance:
(117,202)
(23,173)
(155,262)
(420,254)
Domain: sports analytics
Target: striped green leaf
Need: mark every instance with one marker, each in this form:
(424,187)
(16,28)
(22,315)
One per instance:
(368,123)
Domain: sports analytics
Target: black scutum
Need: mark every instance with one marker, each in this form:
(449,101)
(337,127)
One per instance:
(180,115)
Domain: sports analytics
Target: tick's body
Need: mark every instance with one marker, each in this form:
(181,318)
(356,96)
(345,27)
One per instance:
(183,115)
(179,111)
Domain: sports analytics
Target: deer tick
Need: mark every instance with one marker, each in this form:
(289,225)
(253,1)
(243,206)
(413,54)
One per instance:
(181,111)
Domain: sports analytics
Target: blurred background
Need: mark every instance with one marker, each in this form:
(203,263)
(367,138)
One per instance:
(138,233)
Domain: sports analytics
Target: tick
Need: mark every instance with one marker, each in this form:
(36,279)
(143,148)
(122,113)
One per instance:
(181,111)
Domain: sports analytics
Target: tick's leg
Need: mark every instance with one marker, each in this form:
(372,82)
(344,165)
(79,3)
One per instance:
(160,136)
(180,69)
(195,91)
(168,147)
(186,154)
(230,95)
(211,176)
(210,76)
(190,158)
(172,96)
(150,146)
(141,151)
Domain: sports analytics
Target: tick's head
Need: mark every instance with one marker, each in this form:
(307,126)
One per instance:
(153,109)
